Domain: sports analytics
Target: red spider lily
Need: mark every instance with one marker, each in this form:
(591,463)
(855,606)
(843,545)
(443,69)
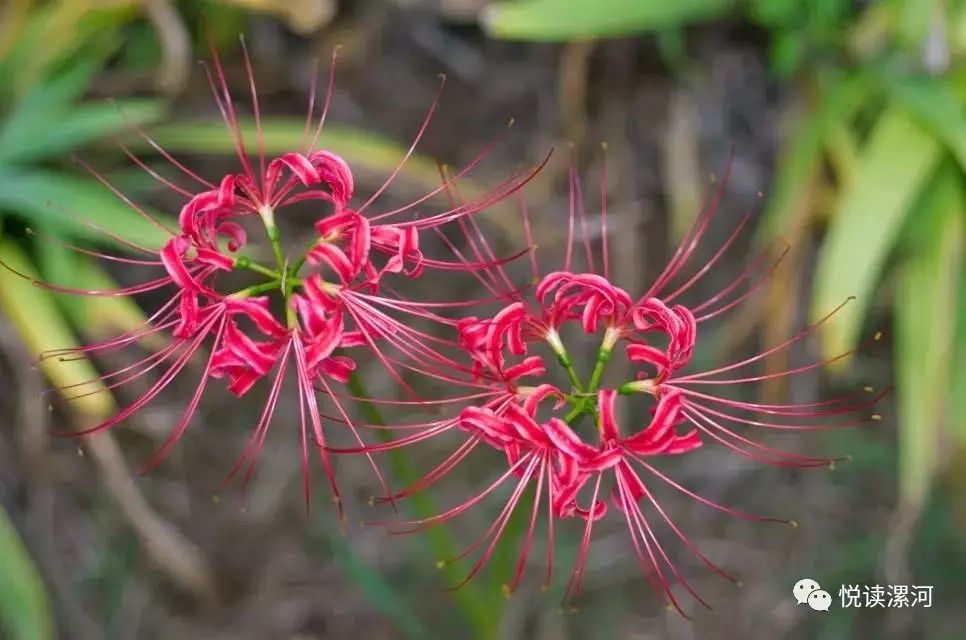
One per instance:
(547,454)
(550,456)
(340,307)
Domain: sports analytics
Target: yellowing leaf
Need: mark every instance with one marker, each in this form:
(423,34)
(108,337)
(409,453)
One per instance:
(42,327)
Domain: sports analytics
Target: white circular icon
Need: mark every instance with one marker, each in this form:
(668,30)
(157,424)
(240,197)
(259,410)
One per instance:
(804,587)
(820,600)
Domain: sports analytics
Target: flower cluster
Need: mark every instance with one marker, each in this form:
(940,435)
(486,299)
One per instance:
(565,442)
(319,311)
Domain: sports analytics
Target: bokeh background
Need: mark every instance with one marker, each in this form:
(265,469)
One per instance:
(847,124)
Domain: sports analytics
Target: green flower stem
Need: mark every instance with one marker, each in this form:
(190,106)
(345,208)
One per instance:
(603,357)
(275,238)
(256,289)
(301,261)
(568,365)
(579,407)
(244,262)
(481,612)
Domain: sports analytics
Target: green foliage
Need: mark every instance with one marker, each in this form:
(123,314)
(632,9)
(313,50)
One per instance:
(45,68)
(41,125)
(384,597)
(363,148)
(576,19)
(925,307)
(893,169)
(24,611)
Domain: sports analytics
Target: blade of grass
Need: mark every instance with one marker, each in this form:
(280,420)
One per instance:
(801,155)
(42,327)
(73,126)
(24,610)
(895,165)
(957,378)
(925,322)
(554,20)
(935,105)
(71,204)
(380,593)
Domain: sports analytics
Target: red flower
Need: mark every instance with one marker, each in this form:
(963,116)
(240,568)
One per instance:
(335,302)
(550,454)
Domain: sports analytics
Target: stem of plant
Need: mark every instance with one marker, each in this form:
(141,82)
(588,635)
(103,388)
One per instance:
(476,608)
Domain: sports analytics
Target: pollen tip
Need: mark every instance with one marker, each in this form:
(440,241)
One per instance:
(440,564)
(831,465)
(876,417)
(761,195)
(877,336)
(794,523)
(868,389)
(505,590)
(603,145)
(215,498)
(849,457)
(739,584)
(371,501)
(511,122)
(714,178)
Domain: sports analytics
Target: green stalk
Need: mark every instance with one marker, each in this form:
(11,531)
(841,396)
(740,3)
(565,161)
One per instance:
(244,262)
(568,365)
(603,357)
(473,604)
(256,289)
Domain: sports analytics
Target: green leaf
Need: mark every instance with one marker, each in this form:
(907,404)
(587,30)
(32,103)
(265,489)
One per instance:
(24,610)
(104,316)
(380,592)
(936,106)
(925,325)
(357,146)
(574,19)
(72,204)
(59,33)
(801,156)
(896,163)
(45,104)
(957,376)
(42,327)
(73,127)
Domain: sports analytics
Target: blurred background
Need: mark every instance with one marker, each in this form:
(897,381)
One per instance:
(847,124)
